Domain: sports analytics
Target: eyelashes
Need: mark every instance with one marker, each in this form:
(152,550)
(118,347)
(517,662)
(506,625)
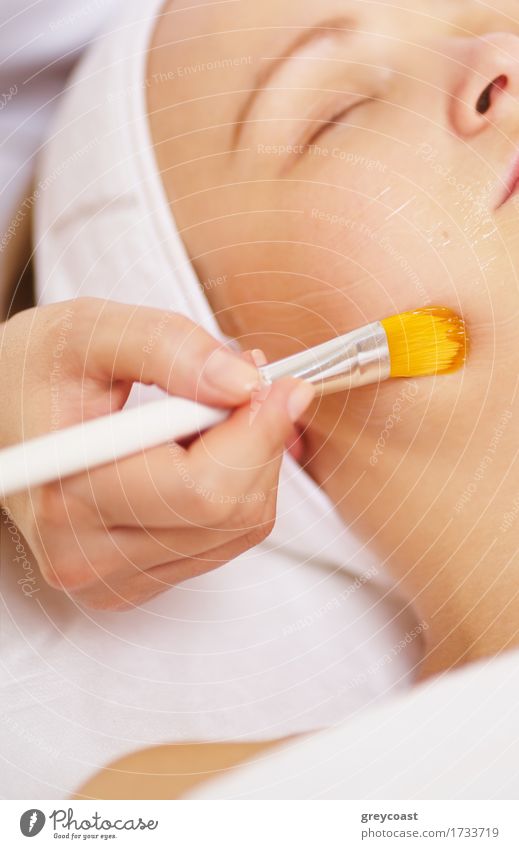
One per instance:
(337,118)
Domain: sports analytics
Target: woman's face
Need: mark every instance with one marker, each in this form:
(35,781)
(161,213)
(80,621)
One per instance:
(333,163)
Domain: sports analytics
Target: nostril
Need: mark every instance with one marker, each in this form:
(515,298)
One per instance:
(484,101)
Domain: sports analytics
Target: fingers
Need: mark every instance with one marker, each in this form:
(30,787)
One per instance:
(94,561)
(218,496)
(169,486)
(169,575)
(76,552)
(255,434)
(123,594)
(205,505)
(150,547)
(114,341)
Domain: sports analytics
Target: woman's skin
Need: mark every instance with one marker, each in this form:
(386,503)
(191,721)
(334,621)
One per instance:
(393,205)
(169,772)
(424,470)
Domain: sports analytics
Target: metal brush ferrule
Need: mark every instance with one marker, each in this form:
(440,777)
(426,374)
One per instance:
(346,362)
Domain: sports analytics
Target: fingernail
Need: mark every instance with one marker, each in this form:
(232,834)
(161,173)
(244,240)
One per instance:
(258,357)
(299,400)
(229,373)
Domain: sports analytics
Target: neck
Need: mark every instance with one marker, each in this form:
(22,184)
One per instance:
(441,519)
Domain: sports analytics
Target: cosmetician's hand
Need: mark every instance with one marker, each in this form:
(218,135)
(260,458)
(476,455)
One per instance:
(117,535)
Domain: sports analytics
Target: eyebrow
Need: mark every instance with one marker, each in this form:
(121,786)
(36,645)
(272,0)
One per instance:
(335,26)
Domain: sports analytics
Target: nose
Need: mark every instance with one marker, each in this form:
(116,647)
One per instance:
(486,88)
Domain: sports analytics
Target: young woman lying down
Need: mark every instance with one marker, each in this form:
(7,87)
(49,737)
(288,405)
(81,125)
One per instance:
(327,165)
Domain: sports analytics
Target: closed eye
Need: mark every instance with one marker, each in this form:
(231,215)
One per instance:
(336,119)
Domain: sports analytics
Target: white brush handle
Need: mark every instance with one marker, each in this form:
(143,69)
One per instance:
(342,363)
(102,440)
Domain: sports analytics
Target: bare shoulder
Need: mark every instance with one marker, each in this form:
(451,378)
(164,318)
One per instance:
(170,772)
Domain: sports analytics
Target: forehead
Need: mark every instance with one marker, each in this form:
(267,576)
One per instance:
(269,20)
(236,38)
(223,31)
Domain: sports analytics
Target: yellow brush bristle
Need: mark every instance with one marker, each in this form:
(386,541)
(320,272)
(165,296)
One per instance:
(431,340)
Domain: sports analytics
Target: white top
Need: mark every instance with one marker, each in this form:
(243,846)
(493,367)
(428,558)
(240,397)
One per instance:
(454,737)
(286,638)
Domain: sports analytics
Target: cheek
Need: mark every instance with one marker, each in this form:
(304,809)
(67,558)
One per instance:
(348,240)
(330,265)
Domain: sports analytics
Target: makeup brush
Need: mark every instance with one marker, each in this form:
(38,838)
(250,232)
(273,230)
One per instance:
(422,342)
